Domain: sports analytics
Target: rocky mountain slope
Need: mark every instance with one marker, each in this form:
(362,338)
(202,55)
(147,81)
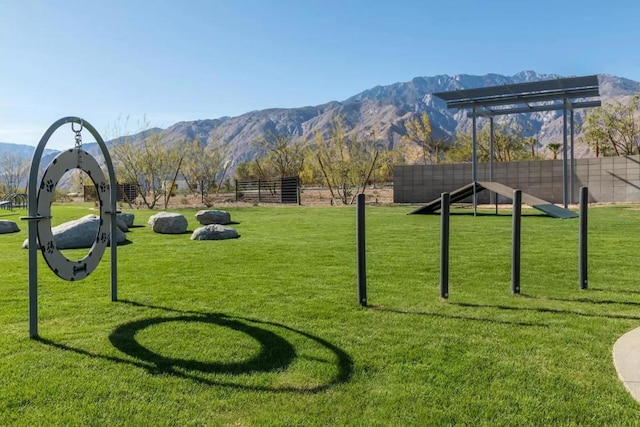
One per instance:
(382,111)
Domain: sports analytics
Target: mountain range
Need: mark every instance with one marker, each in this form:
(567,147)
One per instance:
(382,111)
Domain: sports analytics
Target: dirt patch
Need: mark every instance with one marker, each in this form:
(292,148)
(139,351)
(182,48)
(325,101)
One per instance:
(308,197)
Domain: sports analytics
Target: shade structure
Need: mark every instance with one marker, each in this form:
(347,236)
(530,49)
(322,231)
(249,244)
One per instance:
(564,94)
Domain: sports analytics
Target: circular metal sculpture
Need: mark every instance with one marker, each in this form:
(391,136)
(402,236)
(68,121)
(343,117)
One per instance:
(63,267)
(40,196)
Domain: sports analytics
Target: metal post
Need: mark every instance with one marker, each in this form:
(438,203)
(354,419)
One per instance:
(565,195)
(572,172)
(583,253)
(491,157)
(474,161)
(236,190)
(361,248)
(515,242)
(33,252)
(444,245)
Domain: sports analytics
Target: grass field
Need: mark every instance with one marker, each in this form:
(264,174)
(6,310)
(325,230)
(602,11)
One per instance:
(266,329)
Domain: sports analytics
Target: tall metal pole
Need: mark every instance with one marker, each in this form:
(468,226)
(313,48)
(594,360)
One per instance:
(474,162)
(583,251)
(515,241)
(565,195)
(491,157)
(572,172)
(444,245)
(361,248)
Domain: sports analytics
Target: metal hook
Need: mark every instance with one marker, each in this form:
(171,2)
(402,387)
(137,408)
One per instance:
(73,128)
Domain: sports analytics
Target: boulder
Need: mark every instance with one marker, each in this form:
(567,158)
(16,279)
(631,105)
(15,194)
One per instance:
(214,232)
(127,218)
(168,223)
(79,233)
(7,226)
(122,226)
(207,217)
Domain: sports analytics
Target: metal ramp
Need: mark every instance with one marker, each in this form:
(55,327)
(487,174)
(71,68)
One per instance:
(467,191)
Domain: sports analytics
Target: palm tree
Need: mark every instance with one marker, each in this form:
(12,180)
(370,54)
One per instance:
(554,147)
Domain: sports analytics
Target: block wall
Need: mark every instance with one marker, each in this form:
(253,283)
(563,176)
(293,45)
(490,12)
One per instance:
(610,179)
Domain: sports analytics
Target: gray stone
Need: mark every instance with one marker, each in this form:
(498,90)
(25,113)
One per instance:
(7,226)
(214,232)
(168,223)
(127,218)
(79,233)
(122,225)
(206,217)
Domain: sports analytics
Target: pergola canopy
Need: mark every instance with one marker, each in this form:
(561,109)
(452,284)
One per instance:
(545,95)
(564,94)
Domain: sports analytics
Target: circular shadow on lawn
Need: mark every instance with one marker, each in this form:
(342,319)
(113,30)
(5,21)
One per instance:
(275,356)
(275,352)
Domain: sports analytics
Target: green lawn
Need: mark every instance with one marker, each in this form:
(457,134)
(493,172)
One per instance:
(266,329)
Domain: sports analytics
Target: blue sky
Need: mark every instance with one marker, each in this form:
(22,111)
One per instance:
(171,61)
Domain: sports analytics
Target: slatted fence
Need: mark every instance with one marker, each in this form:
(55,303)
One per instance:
(126,193)
(281,190)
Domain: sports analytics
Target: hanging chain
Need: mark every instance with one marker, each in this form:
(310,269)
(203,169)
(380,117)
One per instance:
(78,139)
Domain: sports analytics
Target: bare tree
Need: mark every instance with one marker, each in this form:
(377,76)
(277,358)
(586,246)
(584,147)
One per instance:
(147,164)
(613,129)
(346,161)
(419,132)
(204,167)
(285,156)
(13,171)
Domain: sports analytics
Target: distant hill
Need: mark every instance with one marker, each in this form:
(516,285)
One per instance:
(382,109)
(22,151)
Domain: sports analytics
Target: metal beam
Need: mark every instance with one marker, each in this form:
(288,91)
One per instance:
(524,98)
(488,112)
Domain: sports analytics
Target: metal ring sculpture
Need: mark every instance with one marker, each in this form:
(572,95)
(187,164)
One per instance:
(57,262)
(39,217)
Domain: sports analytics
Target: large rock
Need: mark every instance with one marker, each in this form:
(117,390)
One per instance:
(122,226)
(7,226)
(127,218)
(168,223)
(212,216)
(214,232)
(79,233)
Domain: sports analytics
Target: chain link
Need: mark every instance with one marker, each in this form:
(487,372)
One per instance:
(78,139)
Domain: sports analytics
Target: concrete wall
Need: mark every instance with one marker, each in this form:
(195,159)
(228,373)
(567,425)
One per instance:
(610,179)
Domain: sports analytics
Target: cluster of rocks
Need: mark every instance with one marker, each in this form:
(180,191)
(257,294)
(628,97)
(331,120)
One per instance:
(81,233)
(214,225)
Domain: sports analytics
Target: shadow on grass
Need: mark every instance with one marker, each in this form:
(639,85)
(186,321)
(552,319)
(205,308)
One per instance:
(547,310)
(457,317)
(276,353)
(615,291)
(593,301)
(499,214)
